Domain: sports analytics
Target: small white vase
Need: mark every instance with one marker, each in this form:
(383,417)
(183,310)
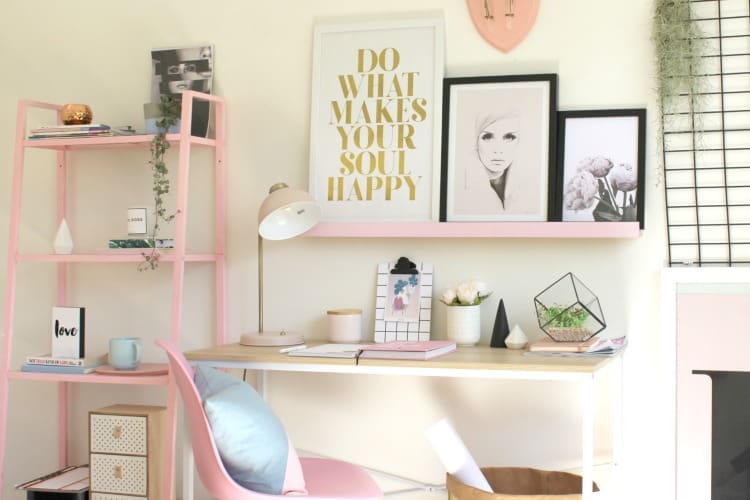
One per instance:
(63,243)
(516,339)
(462,324)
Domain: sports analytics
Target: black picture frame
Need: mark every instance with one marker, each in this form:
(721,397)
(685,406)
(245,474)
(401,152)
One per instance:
(528,105)
(599,151)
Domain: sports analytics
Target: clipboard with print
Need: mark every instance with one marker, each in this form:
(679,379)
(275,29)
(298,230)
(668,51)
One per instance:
(403,301)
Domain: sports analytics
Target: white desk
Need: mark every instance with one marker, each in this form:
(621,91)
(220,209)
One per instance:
(466,362)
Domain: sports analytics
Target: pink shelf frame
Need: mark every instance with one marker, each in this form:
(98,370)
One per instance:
(176,257)
(475,230)
(92,378)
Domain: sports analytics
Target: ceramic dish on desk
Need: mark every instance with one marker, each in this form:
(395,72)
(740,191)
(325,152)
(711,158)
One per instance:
(143,369)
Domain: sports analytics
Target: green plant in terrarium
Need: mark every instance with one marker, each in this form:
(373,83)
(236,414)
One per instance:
(564,317)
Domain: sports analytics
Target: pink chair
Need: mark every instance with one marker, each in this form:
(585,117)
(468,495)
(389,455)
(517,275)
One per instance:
(324,478)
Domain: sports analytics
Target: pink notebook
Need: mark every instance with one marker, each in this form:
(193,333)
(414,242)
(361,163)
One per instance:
(399,349)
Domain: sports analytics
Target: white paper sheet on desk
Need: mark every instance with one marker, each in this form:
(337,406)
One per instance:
(329,351)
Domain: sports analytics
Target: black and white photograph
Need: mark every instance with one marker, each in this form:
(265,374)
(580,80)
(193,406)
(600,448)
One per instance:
(498,147)
(175,70)
(601,165)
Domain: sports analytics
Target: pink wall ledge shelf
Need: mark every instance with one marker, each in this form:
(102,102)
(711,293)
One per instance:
(475,230)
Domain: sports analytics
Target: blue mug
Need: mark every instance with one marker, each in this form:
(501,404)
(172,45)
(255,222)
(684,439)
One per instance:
(125,353)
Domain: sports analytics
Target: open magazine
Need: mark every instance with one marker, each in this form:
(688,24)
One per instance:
(603,347)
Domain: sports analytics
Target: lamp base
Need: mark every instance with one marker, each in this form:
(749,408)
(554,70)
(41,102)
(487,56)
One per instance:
(271,338)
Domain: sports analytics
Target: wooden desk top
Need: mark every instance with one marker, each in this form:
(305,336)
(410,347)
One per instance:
(477,358)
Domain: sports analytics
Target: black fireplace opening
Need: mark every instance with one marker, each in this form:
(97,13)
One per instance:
(730,434)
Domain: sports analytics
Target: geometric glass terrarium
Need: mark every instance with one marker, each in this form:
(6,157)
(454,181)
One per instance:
(567,311)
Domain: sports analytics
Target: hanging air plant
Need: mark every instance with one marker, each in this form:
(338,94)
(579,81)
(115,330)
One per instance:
(680,49)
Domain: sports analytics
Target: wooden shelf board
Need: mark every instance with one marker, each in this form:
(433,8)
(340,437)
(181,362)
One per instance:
(475,230)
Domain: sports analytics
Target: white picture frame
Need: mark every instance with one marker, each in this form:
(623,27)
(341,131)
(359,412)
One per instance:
(68,332)
(375,119)
(415,324)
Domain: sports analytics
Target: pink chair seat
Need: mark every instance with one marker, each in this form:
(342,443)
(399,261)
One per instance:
(325,479)
(328,478)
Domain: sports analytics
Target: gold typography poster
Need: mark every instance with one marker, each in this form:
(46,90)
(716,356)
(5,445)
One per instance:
(374,132)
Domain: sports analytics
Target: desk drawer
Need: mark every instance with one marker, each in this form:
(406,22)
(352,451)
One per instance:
(119,474)
(122,434)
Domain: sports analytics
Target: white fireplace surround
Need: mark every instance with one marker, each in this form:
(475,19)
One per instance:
(693,300)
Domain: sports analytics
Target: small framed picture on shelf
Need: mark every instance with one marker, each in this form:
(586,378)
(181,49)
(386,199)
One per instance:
(137,221)
(498,148)
(601,162)
(403,301)
(68,332)
(375,119)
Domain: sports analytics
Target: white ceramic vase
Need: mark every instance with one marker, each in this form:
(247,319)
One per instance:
(462,324)
(63,243)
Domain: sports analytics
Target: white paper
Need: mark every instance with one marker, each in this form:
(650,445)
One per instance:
(455,456)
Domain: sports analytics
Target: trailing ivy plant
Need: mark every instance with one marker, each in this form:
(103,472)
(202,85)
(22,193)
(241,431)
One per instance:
(680,48)
(170,113)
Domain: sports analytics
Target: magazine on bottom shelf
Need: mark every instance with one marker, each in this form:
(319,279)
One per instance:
(402,349)
(72,480)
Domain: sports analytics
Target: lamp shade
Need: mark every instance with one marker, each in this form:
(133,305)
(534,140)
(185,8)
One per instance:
(286,212)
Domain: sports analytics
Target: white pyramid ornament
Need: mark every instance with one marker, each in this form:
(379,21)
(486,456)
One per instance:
(516,339)
(63,240)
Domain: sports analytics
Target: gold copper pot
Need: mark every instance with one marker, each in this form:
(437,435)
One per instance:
(76,114)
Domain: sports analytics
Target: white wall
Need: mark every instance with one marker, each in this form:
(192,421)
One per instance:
(98,53)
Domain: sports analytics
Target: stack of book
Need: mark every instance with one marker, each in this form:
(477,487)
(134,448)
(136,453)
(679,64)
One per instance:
(65,131)
(51,364)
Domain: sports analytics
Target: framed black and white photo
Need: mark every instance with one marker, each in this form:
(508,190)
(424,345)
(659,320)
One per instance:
(498,148)
(375,119)
(174,70)
(601,165)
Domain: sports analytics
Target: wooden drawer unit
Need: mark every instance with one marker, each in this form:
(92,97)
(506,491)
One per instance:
(126,451)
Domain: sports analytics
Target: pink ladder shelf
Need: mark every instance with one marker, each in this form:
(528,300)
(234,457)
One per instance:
(176,257)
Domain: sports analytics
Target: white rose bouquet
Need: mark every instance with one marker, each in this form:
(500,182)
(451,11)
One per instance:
(466,294)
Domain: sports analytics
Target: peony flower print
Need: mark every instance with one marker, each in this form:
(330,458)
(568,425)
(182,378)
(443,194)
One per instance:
(623,178)
(580,191)
(599,181)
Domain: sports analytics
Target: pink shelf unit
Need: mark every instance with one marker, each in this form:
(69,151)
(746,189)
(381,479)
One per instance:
(176,258)
(475,230)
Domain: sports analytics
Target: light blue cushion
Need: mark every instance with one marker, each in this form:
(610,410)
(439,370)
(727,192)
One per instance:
(250,438)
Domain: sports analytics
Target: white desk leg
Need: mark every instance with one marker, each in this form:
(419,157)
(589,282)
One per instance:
(188,466)
(617,402)
(587,437)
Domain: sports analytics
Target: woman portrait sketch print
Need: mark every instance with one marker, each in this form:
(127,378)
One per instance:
(497,169)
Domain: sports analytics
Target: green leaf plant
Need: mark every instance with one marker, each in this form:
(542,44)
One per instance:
(562,317)
(170,113)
